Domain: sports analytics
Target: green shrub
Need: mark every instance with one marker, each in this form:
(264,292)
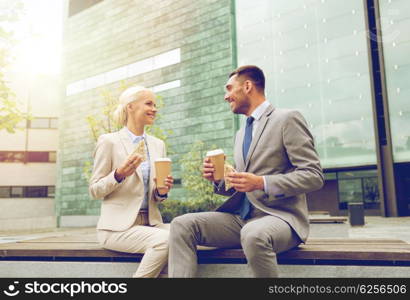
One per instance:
(197,187)
(201,196)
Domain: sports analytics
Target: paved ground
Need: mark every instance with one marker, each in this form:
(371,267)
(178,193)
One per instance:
(375,227)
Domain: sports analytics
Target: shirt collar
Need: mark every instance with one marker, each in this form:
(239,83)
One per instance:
(135,138)
(258,112)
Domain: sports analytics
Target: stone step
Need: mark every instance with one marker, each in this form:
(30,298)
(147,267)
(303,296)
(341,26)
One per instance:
(55,269)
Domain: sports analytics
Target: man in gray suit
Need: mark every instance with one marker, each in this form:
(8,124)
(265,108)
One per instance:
(266,212)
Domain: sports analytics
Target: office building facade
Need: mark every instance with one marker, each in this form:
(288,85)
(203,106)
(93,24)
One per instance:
(341,63)
(28,169)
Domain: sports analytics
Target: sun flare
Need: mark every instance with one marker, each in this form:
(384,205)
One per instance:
(38,33)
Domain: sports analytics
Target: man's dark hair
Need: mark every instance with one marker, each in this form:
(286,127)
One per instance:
(252,73)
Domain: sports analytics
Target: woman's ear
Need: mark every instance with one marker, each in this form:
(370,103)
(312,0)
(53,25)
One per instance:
(130,107)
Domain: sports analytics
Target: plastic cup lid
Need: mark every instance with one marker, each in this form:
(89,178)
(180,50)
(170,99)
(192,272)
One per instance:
(215,152)
(163,159)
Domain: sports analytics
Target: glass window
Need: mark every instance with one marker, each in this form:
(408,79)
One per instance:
(28,191)
(37,156)
(371,191)
(51,191)
(52,156)
(40,123)
(350,190)
(4,192)
(315,57)
(357,174)
(17,191)
(395,27)
(36,191)
(11,156)
(54,123)
(407,189)
(330,176)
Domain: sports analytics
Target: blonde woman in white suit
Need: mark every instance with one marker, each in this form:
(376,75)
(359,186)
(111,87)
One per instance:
(130,220)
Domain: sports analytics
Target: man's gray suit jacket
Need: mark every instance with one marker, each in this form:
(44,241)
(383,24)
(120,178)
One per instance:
(282,150)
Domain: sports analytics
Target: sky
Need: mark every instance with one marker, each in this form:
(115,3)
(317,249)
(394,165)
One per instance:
(39,37)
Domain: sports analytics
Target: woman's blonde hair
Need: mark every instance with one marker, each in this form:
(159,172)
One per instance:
(128,96)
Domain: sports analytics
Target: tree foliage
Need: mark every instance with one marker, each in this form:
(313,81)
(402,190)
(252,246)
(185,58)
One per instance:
(10,113)
(198,188)
(201,196)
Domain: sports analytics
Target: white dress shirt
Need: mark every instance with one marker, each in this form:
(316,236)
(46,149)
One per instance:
(145,165)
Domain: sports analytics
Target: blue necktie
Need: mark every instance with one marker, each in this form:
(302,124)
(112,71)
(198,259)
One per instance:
(245,205)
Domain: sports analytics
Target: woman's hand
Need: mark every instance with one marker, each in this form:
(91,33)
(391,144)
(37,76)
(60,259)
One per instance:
(169,182)
(128,167)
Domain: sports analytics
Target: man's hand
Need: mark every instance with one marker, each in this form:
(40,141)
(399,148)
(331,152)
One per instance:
(208,169)
(245,182)
(169,182)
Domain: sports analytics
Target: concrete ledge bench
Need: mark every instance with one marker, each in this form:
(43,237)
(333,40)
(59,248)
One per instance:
(327,219)
(322,216)
(318,254)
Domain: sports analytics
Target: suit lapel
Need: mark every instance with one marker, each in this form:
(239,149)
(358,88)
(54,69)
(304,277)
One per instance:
(240,164)
(129,147)
(126,141)
(152,157)
(263,120)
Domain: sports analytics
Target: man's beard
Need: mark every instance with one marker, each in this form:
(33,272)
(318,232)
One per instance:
(241,109)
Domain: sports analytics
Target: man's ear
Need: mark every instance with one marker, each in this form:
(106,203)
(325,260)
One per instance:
(248,85)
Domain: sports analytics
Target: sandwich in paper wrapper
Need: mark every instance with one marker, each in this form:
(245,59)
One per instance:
(140,149)
(228,169)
